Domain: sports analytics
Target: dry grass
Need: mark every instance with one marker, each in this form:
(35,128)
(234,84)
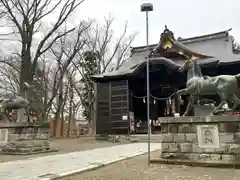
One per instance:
(137,169)
(64,146)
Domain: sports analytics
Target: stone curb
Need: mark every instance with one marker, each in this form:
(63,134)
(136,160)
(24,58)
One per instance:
(94,166)
(211,164)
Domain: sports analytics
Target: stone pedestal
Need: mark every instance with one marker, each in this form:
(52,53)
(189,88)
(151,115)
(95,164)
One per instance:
(206,140)
(25,138)
(202,110)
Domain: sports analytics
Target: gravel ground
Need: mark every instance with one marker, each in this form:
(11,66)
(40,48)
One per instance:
(64,146)
(137,169)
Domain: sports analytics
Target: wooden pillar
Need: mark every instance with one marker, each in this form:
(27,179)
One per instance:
(129,107)
(110,107)
(95,109)
(177,102)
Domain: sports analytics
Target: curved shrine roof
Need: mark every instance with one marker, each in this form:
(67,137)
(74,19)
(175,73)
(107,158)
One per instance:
(171,53)
(127,71)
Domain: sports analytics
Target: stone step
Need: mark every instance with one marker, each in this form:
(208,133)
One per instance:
(145,137)
(131,138)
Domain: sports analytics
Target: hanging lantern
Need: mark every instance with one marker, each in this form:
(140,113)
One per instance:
(154,101)
(181,100)
(225,106)
(144,100)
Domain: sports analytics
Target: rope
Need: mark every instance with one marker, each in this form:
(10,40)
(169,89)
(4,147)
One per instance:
(141,97)
(168,97)
(165,98)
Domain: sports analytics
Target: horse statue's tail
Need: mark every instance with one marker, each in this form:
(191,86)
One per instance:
(238,79)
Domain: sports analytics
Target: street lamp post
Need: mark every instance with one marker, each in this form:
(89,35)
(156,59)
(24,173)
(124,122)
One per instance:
(146,7)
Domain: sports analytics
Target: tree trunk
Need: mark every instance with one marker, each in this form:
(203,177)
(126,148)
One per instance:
(62,124)
(90,112)
(58,112)
(70,120)
(70,109)
(56,123)
(25,74)
(90,98)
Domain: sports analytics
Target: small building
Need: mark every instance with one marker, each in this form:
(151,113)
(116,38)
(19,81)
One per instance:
(121,94)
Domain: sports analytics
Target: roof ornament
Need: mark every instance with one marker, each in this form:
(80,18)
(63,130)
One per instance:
(165,38)
(168,46)
(168,33)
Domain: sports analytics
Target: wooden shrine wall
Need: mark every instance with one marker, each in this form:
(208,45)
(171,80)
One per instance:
(112,108)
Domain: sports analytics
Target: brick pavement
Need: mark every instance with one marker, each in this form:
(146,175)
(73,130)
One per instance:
(43,168)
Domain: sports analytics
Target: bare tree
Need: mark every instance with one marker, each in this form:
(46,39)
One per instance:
(109,52)
(26,16)
(112,52)
(64,51)
(47,84)
(72,106)
(10,75)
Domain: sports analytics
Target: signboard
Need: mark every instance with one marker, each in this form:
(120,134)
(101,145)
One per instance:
(132,122)
(3,136)
(208,136)
(125,118)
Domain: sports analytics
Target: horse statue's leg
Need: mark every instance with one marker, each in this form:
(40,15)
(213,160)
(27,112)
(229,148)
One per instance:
(236,102)
(190,102)
(188,90)
(181,92)
(223,97)
(192,99)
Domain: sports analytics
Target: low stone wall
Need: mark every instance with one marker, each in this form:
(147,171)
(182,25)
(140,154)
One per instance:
(24,138)
(206,139)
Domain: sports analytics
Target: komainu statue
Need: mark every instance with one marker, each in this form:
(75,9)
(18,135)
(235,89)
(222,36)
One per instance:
(10,102)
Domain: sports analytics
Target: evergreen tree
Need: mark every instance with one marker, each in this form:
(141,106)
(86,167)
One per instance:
(90,67)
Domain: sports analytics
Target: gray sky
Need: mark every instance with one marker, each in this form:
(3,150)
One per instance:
(186,18)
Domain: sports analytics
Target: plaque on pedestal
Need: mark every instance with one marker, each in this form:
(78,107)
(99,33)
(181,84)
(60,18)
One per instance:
(208,136)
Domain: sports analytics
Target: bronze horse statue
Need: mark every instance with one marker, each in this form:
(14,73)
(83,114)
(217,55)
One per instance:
(226,86)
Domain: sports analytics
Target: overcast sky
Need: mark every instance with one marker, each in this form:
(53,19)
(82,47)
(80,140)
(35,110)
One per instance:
(186,18)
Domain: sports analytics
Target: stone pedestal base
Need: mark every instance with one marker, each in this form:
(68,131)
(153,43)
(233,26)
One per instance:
(213,140)
(25,139)
(27,147)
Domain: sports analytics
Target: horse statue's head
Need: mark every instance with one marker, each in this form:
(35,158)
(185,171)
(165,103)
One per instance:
(192,68)
(186,66)
(189,64)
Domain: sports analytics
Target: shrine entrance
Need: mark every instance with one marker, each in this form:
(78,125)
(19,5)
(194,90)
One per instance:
(164,82)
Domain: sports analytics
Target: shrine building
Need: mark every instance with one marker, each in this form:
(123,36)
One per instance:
(121,94)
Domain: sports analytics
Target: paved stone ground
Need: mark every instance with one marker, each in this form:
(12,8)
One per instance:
(63,164)
(137,169)
(65,146)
